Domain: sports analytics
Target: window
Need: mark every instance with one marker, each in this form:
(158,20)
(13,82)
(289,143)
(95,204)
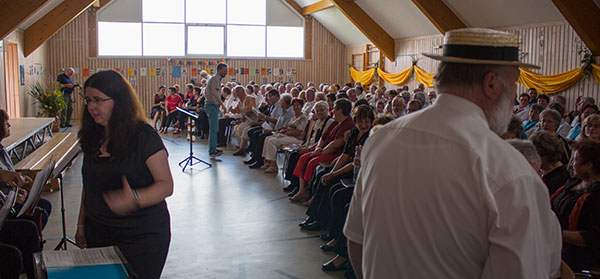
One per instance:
(200,28)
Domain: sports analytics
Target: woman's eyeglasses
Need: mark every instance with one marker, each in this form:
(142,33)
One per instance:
(89,100)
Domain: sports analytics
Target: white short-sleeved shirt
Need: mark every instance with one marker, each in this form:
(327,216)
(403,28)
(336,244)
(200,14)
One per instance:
(439,195)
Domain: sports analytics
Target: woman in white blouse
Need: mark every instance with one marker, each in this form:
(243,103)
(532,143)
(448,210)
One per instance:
(294,133)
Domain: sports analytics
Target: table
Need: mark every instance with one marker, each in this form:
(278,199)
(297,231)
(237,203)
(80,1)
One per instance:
(25,132)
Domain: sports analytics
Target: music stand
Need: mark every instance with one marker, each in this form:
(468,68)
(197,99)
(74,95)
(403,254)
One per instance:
(189,161)
(58,173)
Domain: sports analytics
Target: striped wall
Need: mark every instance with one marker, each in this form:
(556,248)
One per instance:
(69,48)
(553,46)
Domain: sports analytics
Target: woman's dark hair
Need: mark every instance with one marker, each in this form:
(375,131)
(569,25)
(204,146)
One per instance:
(227,90)
(197,89)
(171,89)
(297,100)
(251,88)
(127,113)
(362,112)
(589,152)
(345,105)
(361,102)
(3,119)
(545,97)
(331,96)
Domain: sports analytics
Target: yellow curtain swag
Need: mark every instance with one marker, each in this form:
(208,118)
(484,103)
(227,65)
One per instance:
(424,77)
(364,77)
(396,79)
(549,84)
(596,72)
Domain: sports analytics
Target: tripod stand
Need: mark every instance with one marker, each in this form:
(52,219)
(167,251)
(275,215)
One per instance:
(64,240)
(189,161)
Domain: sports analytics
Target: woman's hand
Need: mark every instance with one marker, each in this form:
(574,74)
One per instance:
(121,201)
(327,178)
(80,237)
(21,195)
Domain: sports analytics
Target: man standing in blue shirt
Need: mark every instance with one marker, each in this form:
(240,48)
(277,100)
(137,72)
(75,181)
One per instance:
(66,83)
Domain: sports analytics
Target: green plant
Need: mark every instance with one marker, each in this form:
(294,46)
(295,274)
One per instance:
(587,59)
(49,98)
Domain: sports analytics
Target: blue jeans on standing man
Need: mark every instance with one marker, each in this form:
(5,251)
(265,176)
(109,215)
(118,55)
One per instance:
(213,122)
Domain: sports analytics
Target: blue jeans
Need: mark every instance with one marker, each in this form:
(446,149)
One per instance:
(213,122)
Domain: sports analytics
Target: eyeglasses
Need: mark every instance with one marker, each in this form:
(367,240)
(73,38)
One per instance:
(94,100)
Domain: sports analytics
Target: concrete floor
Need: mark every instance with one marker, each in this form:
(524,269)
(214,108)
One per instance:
(227,221)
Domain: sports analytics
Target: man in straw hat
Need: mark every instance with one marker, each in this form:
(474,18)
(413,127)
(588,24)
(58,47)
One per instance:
(468,205)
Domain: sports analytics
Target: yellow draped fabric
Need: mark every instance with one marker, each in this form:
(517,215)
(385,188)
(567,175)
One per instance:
(364,77)
(424,77)
(596,72)
(396,79)
(549,84)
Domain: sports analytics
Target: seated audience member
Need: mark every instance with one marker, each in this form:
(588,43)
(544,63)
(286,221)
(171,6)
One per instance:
(398,106)
(564,127)
(173,101)
(380,108)
(543,100)
(191,104)
(379,95)
(247,119)
(43,208)
(267,118)
(577,205)
(360,92)
(588,110)
(514,130)
(202,121)
(573,116)
(320,96)
(329,147)
(322,122)
(158,107)
(406,96)
(296,93)
(431,96)
(189,92)
(414,105)
(331,97)
(549,121)
(292,134)
(419,95)
(522,109)
(549,147)
(591,127)
(527,149)
(352,95)
(318,211)
(233,113)
(534,117)
(282,122)
(310,102)
(533,96)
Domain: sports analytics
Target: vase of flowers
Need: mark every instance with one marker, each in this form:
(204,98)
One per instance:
(50,100)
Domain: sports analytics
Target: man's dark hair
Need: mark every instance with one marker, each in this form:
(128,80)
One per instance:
(525,95)
(220,66)
(545,97)
(359,90)
(589,152)
(361,102)
(227,90)
(331,96)
(251,88)
(557,107)
(172,89)
(274,92)
(515,126)
(537,107)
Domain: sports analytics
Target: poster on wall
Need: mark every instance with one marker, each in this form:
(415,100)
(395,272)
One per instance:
(152,72)
(291,79)
(230,71)
(85,72)
(22,74)
(143,72)
(275,71)
(163,71)
(269,71)
(264,80)
(263,72)
(176,70)
(211,72)
(130,72)
(280,79)
(133,81)
(194,72)
(184,71)
(242,71)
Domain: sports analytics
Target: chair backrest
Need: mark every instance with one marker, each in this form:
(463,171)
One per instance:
(309,127)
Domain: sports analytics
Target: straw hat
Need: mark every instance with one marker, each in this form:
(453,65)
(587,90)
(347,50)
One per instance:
(480,46)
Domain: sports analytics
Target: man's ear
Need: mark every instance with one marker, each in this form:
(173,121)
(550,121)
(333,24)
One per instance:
(491,87)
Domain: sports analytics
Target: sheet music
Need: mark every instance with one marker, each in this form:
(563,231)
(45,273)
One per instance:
(81,257)
(266,126)
(37,187)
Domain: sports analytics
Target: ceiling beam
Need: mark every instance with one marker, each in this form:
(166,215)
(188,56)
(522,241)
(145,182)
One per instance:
(52,22)
(440,15)
(584,17)
(294,6)
(317,7)
(13,13)
(379,37)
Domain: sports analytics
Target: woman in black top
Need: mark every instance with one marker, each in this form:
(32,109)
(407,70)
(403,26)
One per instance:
(550,149)
(158,108)
(126,177)
(581,223)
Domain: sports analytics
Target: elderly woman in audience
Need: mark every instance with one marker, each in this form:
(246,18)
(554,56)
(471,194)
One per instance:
(398,106)
(414,105)
(528,150)
(320,96)
(549,121)
(529,125)
(549,147)
(294,133)
(322,122)
(581,102)
(330,146)
(248,116)
(514,130)
(577,204)
(564,127)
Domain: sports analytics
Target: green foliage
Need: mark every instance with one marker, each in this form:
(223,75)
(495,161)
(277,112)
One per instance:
(587,59)
(49,98)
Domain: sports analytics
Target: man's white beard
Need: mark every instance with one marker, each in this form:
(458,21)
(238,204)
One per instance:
(500,116)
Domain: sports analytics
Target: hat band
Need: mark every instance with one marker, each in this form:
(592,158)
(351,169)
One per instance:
(482,52)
